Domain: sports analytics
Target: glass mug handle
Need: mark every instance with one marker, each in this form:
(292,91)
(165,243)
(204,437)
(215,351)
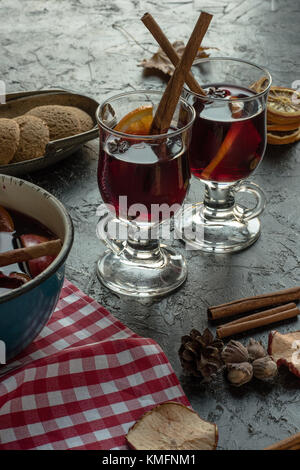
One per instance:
(108,222)
(242,213)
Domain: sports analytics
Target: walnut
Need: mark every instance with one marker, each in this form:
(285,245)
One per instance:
(264,368)
(255,350)
(239,374)
(235,352)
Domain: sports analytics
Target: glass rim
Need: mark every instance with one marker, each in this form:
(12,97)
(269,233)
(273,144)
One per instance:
(139,136)
(233,59)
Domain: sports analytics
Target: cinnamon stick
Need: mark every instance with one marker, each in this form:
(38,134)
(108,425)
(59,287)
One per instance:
(169,50)
(264,313)
(253,303)
(50,248)
(165,110)
(232,329)
(290,443)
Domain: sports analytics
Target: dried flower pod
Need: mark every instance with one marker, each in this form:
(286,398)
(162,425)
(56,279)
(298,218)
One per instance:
(239,374)
(200,354)
(255,349)
(264,368)
(234,352)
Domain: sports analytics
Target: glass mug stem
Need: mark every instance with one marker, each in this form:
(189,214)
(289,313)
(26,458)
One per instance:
(219,201)
(139,248)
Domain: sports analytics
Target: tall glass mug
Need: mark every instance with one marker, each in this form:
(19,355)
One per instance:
(143,180)
(228,143)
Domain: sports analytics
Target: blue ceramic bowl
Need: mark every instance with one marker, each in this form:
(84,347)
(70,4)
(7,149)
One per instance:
(24,311)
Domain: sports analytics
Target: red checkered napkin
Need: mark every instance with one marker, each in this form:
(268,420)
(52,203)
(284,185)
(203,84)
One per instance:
(83,382)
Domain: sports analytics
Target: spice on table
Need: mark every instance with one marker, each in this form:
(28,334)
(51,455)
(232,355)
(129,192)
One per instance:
(172,426)
(235,352)
(239,373)
(285,350)
(266,317)
(255,349)
(257,302)
(264,368)
(244,363)
(290,443)
(200,354)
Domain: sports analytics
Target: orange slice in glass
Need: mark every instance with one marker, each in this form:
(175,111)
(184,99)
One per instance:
(283,137)
(283,105)
(137,122)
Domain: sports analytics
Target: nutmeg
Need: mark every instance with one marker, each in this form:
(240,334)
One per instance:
(264,368)
(239,374)
(234,352)
(255,349)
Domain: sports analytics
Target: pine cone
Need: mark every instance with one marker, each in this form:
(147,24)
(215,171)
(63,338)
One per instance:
(200,355)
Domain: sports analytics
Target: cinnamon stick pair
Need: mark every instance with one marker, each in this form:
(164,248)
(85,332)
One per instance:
(166,108)
(257,320)
(282,299)
(290,443)
(169,50)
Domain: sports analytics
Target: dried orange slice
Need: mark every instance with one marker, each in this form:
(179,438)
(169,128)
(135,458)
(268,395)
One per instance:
(283,137)
(282,127)
(283,105)
(260,85)
(137,122)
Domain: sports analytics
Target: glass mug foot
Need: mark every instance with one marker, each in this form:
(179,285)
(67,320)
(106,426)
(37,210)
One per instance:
(215,237)
(219,225)
(137,277)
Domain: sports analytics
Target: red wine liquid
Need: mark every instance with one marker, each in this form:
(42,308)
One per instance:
(11,240)
(135,170)
(228,141)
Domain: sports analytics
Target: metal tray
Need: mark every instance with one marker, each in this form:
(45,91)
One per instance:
(56,150)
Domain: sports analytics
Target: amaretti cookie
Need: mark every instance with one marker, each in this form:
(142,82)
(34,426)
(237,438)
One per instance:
(34,136)
(61,121)
(86,122)
(9,140)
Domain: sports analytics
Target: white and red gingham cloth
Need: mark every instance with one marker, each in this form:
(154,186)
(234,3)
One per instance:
(83,382)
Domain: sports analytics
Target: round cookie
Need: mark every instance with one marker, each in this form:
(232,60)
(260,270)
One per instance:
(34,136)
(9,140)
(60,120)
(86,122)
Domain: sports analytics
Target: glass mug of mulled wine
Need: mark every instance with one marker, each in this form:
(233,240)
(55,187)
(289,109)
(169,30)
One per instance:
(143,180)
(228,143)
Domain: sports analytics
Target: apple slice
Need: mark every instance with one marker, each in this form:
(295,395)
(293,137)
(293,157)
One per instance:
(6,222)
(22,277)
(285,350)
(36,266)
(171,426)
(9,282)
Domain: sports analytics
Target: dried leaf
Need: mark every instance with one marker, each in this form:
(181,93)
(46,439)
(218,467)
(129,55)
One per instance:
(160,61)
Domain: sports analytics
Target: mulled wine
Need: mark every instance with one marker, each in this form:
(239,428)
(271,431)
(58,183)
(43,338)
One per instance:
(18,230)
(143,173)
(229,137)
